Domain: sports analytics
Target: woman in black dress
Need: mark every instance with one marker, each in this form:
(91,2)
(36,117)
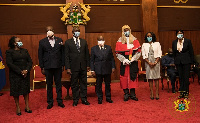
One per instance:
(19,62)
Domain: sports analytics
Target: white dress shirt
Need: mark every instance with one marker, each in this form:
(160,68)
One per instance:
(101,47)
(78,41)
(129,46)
(156,48)
(52,42)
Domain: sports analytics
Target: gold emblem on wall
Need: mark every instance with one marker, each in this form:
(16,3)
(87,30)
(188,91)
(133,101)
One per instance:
(181,1)
(75,15)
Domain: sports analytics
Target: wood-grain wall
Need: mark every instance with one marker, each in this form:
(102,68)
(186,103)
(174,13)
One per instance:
(31,42)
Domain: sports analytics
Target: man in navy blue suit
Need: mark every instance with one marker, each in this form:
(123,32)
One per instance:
(102,65)
(51,62)
(168,61)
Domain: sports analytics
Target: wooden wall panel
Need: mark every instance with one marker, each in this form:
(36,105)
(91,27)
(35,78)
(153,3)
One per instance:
(149,16)
(166,38)
(31,42)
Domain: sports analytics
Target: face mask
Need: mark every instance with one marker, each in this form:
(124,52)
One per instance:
(50,34)
(101,43)
(127,33)
(149,39)
(170,54)
(180,36)
(19,44)
(76,34)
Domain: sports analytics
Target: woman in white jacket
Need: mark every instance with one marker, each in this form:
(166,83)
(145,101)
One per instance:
(151,52)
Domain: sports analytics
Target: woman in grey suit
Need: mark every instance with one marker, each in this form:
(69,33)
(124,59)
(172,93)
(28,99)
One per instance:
(151,52)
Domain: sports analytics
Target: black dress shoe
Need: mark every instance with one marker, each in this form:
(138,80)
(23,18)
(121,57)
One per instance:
(109,100)
(173,91)
(28,111)
(99,101)
(134,98)
(181,96)
(61,105)
(85,102)
(49,106)
(186,96)
(75,104)
(1,94)
(19,113)
(126,97)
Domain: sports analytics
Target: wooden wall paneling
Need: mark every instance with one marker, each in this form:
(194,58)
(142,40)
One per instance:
(194,36)
(31,42)
(166,39)
(149,16)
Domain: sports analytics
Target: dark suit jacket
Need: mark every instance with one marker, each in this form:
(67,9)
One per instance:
(102,61)
(51,57)
(74,59)
(186,56)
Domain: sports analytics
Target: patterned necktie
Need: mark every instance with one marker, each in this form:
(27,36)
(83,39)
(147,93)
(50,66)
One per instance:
(77,45)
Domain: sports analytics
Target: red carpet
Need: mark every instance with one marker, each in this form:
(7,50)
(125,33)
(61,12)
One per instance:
(145,110)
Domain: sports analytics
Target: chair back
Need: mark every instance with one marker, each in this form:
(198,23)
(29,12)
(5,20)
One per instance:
(197,58)
(37,72)
(139,65)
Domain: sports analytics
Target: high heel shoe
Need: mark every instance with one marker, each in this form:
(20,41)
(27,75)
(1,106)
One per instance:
(19,113)
(152,98)
(28,111)
(157,97)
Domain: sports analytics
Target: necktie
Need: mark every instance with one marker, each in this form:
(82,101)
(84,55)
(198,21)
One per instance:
(77,45)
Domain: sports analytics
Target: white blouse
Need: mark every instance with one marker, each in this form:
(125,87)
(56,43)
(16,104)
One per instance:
(156,48)
(180,45)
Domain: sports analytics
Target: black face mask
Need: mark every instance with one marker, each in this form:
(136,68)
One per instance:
(170,54)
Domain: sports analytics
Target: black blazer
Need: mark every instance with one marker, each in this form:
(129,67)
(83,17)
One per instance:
(186,56)
(102,61)
(51,57)
(74,59)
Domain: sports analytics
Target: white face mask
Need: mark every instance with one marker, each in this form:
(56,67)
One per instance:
(50,34)
(101,43)
(76,34)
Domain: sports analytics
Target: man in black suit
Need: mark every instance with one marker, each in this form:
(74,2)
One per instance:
(77,64)
(183,59)
(102,65)
(168,61)
(51,61)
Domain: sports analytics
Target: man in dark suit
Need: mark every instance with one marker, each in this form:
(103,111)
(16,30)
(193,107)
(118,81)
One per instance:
(77,63)
(51,61)
(168,61)
(102,65)
(183,59)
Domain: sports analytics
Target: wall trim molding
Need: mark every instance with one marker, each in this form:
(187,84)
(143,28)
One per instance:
(191,7)
(65,4)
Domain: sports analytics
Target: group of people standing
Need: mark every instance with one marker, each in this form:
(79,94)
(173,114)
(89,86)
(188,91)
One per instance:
(75,58)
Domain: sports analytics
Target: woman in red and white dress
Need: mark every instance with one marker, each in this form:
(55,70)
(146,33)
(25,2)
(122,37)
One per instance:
(128,51)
